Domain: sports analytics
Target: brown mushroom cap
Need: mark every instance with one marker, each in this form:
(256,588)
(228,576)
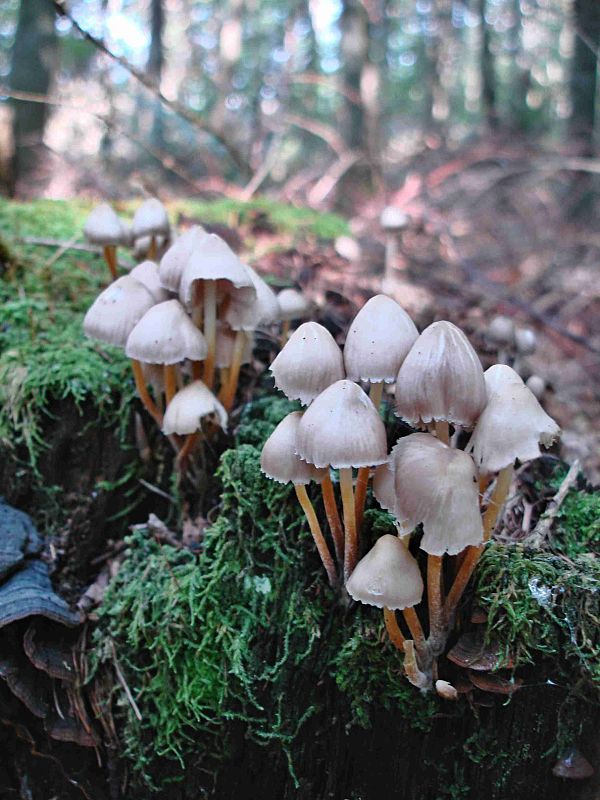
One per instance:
(441,379)
(342,428)
(117,310)
(150,219)
(512,425)
(189,407)
(278,459)
(309,362)
(103,226)
(166,335)
(387,577)
(436,485)
(378,341)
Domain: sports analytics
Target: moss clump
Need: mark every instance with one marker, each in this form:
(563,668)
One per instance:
(543,605)
(260,417)
(578,529)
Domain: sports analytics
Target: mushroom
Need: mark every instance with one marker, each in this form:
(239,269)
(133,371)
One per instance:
(103,227)
(384,487)
(185,412)
(310,362)
(512,426)
(151,220)
(536,385)
(525,341)
(446,690)
(166,335)
(392,220)
(292,305)
(244,314)
(388,577)
(501,332)
(174,260)
(280,463)
(111,318)
(379,339)
(436,485)
(343,429)
(147,274)
(212,265)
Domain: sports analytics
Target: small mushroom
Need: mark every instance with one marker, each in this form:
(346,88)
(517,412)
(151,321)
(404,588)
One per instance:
(147,274)
(151,220)
(525,341)
(501,332)
(292,305)
(446,690)
(310,362)
(103,227)
(280,463)
(342,428)
(189,407)
(536,385)
(392,220)
(174,260)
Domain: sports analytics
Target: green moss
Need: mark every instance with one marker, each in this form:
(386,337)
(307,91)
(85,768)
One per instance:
(260,417)
(578,529)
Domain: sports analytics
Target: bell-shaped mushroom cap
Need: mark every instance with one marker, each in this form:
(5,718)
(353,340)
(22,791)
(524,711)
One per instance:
(174,260)
(293,305)
(150,219)
(342,428)
(225,343)
(441,379)
(512,425)
(526,341)
(212,259)
(187,409)
(278,459)
(103,226)
(117,310)
(248,310)
(387,577)
(309,362)
(166,335)
(384,487)
(147,273)
(378,341)
(436,485)
(393,219)
(501,330)
(536,385)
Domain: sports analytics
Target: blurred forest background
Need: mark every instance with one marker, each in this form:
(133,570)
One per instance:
(305,98)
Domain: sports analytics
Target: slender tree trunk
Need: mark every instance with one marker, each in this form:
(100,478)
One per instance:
(584,73)
(488,77)
(355,53)
(33,62)
(155,64)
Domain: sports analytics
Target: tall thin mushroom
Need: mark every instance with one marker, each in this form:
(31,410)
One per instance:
(103,227)
(151,220)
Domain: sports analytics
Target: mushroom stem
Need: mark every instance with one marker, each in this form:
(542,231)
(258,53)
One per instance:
(190,442)
(411,668)
(351,533)
(333,517)
(142,390)
(153,249)
(196,370)
(393,629)
(473,554)
(434,595)
(442,431)
(210,330)
(230,387)
(170,382)
(362,480)
(414,626)
(285,332)
(110,256)
(317,533)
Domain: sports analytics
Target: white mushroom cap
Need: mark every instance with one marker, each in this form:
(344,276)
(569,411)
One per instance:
(278,459)
(309,362)
(103,226)
(536,385)
(147,273)
(225,342)
(441,379)
(501,330)
(387,577)
(166,335)
(342,428)
(378,341)
(392,218)
(293,305)
(212,259)
(150,219)
(174,260)
(526,341)
(512,425)
(248,310)
(436,485)
(117,310)
(384,487)
(188,408)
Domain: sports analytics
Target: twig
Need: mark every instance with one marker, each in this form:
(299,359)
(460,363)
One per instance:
(123,682)
(62,245)
(327,182)
(541,531)
(148,83)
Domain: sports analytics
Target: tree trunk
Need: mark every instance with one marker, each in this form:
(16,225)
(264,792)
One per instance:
(584,73)
(33,62)
(488,77)
(355,52)
(155,63)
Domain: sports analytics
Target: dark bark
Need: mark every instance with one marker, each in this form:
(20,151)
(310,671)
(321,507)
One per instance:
(355,52)
(584,73)
(33,64)
(488,76)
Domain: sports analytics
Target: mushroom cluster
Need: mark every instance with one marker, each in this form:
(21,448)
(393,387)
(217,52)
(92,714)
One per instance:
(445,501)
(187,321)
